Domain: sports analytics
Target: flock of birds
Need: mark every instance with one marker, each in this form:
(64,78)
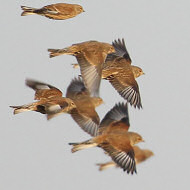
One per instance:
(96,60)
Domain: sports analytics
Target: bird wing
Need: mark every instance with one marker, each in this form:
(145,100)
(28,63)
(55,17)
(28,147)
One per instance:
(58,8)
(77,89)
(43,90)
(117,116)
(91,74)
(55,107)
(88,123)
(123,158)
(126,86)
(120,51)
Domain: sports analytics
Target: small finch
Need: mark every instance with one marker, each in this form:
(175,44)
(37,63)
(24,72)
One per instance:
(84,114)
(59,11)
(113,137)
(49,100)
(121,74)
(91,56)
(140,156)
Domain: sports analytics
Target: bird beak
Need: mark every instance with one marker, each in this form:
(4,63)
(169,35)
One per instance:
(143,73)
(143,140)
(83,10)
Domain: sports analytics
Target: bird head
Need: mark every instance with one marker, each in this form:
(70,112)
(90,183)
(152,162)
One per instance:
(137,71)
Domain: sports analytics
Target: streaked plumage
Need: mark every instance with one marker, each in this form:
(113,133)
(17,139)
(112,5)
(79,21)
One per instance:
(91,56)
(114,138)
(49,100)
(121,74)
(58,11)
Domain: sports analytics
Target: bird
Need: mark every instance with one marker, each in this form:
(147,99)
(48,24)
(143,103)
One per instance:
(118,70)
(49,100)
(84,114)
(115,139)
(58,11)
(121,74)
(140,156)
(78,103)
(91,56)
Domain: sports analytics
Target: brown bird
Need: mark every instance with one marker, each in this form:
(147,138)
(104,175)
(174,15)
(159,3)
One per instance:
(50,100)
(84,114)
(114,138)
(59,11)
(140,156)
(121,74)
(91,56)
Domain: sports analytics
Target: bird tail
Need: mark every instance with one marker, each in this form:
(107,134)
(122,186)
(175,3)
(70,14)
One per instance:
(103,166)
(57,52)
(23,108)
(27,10)
(82,145)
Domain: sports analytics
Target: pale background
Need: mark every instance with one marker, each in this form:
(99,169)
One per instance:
(35,154)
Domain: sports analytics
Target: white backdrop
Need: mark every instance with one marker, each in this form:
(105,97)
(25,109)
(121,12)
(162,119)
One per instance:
(35,154)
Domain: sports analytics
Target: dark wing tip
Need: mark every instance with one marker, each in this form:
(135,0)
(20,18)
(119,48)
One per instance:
(126,161)
(118,113)
(121,49)
(132,96)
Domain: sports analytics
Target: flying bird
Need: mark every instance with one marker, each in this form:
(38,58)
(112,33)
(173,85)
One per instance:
(140,156)
(78,103)
(91,56)
(59,11)
(49,100)
(121,74)
(118,70)
(115,139)
(84,114)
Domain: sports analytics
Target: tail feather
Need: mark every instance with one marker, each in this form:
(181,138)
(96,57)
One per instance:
(103,166)
(82,145)
(24,108)
(27,10)
(57,52)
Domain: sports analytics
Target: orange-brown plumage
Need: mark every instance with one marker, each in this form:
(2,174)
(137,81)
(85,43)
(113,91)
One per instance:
(114,138)
(91,56)
(58,11)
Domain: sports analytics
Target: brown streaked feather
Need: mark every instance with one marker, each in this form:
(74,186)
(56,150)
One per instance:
(124,82)
(43,90)
(124,159)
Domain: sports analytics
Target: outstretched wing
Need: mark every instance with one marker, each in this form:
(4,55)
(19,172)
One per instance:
(118,114)
(43,90)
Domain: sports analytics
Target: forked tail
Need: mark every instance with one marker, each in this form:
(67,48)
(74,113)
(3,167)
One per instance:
(27,10)
(82,145)
(57,52)
(23,108)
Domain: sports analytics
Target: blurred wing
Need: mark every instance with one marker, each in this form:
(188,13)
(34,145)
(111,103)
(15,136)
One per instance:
(36,85)
(123,159)
(43,90)
(118,113)
(91,75)
(76,88)
(88,124)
